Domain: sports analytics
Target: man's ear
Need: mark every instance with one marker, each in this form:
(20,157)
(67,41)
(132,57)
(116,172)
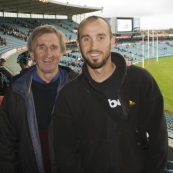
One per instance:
(61,56)
(32,55)
(77,43)
(113,40)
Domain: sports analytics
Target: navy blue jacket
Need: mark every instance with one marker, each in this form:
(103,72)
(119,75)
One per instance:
(20,148)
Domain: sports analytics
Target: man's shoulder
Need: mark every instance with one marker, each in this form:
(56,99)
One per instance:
(68,71)
(137,71)
(24,73)
(2,69)
(6,72)
(72,84)
(139,76)
(71,87)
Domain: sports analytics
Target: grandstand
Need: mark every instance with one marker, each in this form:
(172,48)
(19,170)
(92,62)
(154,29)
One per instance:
(16,30)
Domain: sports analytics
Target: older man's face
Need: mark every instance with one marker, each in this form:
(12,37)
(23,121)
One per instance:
(47,54)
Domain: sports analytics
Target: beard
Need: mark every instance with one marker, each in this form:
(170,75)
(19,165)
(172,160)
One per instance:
(96,64)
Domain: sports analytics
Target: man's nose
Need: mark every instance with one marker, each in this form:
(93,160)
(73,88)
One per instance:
(94,44)
(48,52)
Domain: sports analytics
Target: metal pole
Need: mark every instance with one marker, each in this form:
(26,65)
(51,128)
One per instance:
(153,43)
(148,49)
(143,51)
(157,48)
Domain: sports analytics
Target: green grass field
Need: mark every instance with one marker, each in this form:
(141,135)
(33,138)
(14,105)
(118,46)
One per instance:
(162,71)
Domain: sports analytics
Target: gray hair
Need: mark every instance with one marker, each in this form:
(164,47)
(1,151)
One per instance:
(40,30)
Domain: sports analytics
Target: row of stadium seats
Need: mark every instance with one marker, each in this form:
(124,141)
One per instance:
(134,50)
(25,25)
(169,122)
(169,167)
(131,50)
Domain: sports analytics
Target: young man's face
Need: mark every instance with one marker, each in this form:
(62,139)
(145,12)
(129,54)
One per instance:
(95,43)
(47,54)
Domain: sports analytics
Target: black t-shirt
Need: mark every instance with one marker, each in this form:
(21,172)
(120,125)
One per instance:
(110,88)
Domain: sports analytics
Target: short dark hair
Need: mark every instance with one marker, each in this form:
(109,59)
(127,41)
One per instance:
(92,19)
(2,60)
(24,61)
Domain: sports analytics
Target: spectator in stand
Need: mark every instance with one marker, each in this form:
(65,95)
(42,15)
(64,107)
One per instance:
(1,41)
(5,70)
(23,61)
(5,41)
(5,77)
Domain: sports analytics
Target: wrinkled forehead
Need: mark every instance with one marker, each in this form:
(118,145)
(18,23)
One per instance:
(47,39)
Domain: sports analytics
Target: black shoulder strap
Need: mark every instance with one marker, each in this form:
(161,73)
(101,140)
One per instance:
(143,141)
(97,95)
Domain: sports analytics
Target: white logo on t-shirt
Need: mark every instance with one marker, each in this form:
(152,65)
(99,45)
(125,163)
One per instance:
(114,103)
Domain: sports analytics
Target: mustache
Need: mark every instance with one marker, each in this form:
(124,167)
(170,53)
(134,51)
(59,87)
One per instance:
(94,51)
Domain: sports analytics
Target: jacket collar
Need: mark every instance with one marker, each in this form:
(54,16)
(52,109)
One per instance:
(21,83)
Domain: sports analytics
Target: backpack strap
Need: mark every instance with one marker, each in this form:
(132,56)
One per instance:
(142,140)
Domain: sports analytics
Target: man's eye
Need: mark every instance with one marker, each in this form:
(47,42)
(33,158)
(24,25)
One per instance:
(85,39)
(101,38)
(53,47)
(42,47)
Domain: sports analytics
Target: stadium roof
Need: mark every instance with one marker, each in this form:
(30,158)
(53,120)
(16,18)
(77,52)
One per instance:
(49,7)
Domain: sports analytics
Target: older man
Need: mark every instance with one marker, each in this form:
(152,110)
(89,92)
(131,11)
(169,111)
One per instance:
(25,115)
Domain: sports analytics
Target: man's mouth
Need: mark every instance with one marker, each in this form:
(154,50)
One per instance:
(47,60)
(94,54)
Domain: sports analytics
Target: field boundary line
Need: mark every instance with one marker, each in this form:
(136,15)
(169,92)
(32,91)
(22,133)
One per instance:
(168,97)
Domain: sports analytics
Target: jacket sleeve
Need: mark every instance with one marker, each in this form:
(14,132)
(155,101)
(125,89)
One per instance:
(153,110)
(65,139)
(8,137)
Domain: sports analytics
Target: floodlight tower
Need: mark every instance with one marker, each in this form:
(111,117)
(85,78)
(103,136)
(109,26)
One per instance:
(157,48)
(153,43)
(148,48)
(143,51)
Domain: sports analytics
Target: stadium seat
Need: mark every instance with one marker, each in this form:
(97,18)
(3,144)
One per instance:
(168,171)
(169,165)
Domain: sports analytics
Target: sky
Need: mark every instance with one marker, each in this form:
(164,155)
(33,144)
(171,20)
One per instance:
(153,14)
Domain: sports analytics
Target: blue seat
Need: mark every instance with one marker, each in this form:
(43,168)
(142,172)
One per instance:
(168,171)
(169,165)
